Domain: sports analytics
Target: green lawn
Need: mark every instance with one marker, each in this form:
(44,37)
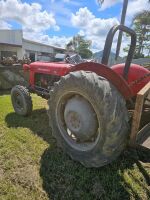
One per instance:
(33,168)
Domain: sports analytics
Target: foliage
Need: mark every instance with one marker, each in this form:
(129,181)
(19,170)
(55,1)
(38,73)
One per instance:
(80,46)
(141,25)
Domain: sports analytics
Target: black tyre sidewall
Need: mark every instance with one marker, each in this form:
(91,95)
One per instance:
(103,152)
(25,98)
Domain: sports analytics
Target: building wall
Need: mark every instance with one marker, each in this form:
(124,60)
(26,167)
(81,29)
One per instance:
(37,47)
(13,37)
(12,40)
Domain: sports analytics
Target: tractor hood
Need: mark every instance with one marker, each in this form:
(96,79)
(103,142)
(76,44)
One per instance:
(55,68)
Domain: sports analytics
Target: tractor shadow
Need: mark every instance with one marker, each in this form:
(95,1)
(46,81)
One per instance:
(4,92)
(66,179)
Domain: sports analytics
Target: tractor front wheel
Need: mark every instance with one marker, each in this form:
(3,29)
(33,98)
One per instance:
(89,118)
(21,100)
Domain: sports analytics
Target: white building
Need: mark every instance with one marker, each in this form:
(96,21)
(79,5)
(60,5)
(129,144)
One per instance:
(13,43)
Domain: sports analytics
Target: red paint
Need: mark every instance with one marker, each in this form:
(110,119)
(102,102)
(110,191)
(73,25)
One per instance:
(104,71)
(113,74)
(26,67)
(135,73)
(54,68)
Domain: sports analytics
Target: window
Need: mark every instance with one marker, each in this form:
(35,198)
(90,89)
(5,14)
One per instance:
(7,54)
(32,57)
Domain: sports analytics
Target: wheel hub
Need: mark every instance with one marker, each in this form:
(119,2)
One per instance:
(19,102)
(80,118)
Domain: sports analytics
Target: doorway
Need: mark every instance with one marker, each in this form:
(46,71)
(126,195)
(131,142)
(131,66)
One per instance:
(32,57)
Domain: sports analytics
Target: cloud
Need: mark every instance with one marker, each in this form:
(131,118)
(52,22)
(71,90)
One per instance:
(66,1)
(30,16)
(109,3)
(33,19)
(136,6)
(60,41)
(4,25)
(85,20)
(94,29)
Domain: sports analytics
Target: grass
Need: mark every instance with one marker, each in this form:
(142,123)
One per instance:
(33,168)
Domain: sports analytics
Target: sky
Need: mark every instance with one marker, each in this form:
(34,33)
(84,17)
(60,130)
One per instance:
(55,22)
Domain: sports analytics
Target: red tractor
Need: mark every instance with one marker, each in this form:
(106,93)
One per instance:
(88,102)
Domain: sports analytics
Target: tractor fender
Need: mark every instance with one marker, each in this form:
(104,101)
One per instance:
(102,70)
(26,67)
(138,76)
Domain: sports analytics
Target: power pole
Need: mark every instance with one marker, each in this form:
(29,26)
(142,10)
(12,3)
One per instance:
(123,17)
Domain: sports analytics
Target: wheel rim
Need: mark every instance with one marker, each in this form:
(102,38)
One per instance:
(73,123)
(18,101)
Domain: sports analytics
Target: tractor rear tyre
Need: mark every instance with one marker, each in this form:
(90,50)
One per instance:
(89,118)
(21,100)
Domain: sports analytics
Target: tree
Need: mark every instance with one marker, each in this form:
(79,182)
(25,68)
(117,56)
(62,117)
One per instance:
(141,25)
(143,19)
(80,46)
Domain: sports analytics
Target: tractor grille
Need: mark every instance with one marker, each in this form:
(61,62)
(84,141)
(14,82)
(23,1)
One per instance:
(45,81)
